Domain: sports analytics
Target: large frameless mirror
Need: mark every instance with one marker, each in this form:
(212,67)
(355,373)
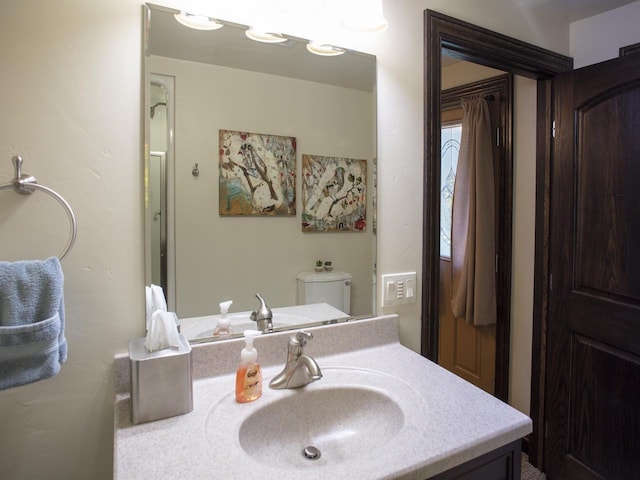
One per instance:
(205,91)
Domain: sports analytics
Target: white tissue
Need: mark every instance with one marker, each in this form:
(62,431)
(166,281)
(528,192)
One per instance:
(149,307)
(163,332)
(162,326)
(155,299)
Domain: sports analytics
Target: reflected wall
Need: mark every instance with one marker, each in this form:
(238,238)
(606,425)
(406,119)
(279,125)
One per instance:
(232,258)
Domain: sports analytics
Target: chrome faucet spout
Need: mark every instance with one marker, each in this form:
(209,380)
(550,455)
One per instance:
(263,316)
(300,369)
(311,367)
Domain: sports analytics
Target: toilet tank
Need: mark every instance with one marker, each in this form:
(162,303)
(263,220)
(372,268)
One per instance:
(333,288)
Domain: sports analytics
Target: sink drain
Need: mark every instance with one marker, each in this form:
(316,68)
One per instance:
(312,453)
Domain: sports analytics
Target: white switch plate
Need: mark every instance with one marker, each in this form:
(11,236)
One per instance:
(398,288)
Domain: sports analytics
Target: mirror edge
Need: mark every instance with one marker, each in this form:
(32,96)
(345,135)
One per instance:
(145,137)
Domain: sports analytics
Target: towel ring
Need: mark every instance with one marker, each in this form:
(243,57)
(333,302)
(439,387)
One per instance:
(26,184)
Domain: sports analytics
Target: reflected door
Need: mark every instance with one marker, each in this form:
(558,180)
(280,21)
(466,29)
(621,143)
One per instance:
(157,211)
(158,186)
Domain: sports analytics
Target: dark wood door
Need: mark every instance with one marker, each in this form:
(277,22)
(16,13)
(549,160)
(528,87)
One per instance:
(593,331)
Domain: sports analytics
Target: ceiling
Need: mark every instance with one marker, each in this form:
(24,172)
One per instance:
(570,10)
(573,10)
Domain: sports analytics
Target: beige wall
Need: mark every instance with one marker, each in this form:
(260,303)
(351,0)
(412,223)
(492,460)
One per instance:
(461,73)
(522,274)
(599,38)
(71,99)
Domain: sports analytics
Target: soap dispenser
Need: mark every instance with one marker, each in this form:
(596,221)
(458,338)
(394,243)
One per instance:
(224,324)
(249,374)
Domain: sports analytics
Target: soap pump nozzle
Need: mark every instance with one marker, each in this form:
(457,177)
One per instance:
(224,324)
(249,354)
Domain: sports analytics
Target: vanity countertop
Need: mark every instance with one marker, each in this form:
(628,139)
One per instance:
(201,328)
(463,421)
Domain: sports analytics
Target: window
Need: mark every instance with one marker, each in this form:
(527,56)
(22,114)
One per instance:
(449,149)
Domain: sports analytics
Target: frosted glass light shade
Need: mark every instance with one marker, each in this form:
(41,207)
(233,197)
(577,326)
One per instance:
(364,16)
(300,7)
(324,49)
(197,22)
(264,37)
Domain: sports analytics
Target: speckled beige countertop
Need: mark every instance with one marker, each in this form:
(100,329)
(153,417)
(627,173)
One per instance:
(450,421)
(201,328)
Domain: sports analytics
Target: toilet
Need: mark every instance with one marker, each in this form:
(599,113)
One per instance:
(333,288)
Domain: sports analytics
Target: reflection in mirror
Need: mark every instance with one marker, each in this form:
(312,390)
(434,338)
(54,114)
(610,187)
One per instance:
(201,82)
(157,179)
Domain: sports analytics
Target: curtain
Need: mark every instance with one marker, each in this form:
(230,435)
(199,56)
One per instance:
(473,251)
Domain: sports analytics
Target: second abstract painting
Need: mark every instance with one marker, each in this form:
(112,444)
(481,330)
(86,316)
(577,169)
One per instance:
(334,193)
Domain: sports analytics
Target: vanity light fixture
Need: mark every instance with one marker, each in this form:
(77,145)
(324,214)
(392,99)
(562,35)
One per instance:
(364,16)
(197,22)
(324,49)
(264,37)
(300,7)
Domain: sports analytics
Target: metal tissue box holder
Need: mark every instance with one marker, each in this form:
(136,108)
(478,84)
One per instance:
(161,381)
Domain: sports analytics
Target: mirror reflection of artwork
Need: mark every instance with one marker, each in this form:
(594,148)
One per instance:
(334,194)
(257,174)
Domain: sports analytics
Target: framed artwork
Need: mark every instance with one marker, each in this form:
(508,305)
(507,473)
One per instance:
(334,194)
(374,196)
(257,174)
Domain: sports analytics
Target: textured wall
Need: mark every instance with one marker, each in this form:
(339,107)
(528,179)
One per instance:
(70,72)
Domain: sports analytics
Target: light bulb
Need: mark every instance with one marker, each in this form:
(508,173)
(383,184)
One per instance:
(264,37)
(300,7)
(197,22)
(324,49)
(364,16)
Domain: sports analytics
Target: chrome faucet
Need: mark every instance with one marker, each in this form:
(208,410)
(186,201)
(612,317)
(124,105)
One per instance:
(263,316)
(300,368)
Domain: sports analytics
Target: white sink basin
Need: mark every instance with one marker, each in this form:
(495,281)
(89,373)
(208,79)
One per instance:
(341,423)
(349,414)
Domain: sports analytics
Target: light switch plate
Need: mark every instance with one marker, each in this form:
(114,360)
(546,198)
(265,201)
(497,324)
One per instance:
(399,288)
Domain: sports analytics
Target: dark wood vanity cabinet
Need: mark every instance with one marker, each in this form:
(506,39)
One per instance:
(501,464)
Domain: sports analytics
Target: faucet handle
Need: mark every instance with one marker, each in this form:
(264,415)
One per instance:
(300,338)
(297,341)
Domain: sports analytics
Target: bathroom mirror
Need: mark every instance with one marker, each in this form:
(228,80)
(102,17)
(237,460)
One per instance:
(198,83)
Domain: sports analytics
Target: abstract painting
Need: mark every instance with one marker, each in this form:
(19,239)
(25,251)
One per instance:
(257,174)
(334,194)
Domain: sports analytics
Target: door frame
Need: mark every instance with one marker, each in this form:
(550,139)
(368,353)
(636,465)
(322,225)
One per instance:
(479,45)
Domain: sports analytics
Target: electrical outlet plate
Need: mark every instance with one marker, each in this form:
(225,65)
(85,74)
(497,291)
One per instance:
(398,288)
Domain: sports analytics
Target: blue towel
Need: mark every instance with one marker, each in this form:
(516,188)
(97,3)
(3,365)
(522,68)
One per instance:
(32,342)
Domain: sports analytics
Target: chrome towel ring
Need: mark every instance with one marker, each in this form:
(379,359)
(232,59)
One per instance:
(26,184)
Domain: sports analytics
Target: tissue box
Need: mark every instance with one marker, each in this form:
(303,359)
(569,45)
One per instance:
(161,381)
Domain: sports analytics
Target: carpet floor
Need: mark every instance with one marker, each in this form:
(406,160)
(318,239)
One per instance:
(529,472)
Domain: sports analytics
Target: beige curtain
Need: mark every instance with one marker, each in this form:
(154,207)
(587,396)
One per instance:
(473,225)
